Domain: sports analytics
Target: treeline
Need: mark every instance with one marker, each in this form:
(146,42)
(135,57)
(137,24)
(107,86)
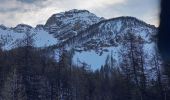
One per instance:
(28,73)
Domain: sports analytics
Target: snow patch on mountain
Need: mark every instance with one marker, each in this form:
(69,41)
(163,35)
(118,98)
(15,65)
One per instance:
(96,59)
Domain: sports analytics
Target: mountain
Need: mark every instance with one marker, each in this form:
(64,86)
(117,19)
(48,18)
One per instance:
(92,38)
(107,37)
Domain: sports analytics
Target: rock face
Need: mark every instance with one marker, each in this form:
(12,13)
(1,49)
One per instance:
(68,24)
(110,33)
(90,36)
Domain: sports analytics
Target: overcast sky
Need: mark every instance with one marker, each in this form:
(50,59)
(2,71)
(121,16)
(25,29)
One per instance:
(33,12)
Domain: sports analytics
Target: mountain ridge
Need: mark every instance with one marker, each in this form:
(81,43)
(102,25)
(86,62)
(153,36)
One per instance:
(98,38)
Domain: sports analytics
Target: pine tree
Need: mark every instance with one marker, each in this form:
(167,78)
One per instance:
(133,63)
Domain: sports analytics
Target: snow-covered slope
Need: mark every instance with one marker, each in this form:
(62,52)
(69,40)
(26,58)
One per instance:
(110,32)
(106,37)
(11,36)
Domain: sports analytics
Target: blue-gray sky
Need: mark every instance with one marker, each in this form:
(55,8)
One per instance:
(33,12)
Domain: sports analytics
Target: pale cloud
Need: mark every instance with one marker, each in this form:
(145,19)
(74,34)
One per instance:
(33,12)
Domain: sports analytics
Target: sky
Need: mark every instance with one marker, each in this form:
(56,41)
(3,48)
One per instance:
(33,12)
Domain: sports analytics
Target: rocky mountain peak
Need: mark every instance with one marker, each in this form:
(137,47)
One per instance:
(22,28)
(68,24)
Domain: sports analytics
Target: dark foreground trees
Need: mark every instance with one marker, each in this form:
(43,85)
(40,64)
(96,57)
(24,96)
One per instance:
(40,77)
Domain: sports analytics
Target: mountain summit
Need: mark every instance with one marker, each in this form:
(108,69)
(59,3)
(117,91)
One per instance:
(67,24)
